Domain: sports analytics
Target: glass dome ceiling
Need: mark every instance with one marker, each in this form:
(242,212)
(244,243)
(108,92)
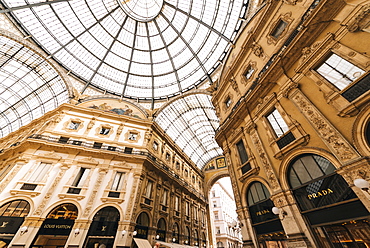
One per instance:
(144,49)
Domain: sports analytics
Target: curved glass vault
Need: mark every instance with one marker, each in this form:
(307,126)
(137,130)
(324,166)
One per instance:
(29,86)
(143,49)
(191,123)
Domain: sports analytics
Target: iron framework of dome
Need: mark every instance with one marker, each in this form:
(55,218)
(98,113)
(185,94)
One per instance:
(143,49)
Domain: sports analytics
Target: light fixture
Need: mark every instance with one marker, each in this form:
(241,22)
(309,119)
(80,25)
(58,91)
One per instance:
(23,230)
(174,239)
(157,236)
(186,242)
(277,211)
(134,233)
(123,232)
(77,231)
(362,184)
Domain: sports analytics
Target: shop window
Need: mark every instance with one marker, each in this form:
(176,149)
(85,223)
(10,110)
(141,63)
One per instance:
(339,71)
(187,236)
(117,185)
(161,229)
(73,125)
(175,233)
(37,176)
(65,211)
(142,226)
(79,181)
(17,208)
(104,131)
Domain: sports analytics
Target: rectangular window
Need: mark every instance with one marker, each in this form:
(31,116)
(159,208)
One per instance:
(339,71)
(228,102)
(63,140)
(242,152)
(164,197)
(155,146)
(277,122)
(187,208)
(97,145)
(279,29)
(39,173)
(128,150)
(148,191)
(104,131)
(81,177)
(74,125)
(132,136)
(118,181)
(4,171)
(177,203)
(249,72)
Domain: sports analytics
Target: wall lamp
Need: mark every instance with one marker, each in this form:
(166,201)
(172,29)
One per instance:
(123,232)
(134,233)
(23,230)
(174,240)
(157,236)
(362,184)
(77,231)
(277,211)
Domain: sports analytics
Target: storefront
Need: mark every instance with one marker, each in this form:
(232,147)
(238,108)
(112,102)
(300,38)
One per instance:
(12,215)
(332,209)
(161,230)
(103,228)
(56,228)
(267,226)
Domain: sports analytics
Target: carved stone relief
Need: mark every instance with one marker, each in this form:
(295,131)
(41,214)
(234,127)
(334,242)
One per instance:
(333,139)
(97,183)
(361,21)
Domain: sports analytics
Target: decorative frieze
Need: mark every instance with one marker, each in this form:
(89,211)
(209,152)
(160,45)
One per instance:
(340,147)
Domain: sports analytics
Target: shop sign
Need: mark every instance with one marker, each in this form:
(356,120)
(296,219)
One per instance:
(103,228)
(262,212)
(10,225)
(56,227)
(320,193)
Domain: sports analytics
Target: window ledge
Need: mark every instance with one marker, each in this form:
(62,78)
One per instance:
(112,199)
(71,196)
(31,193)
(253,171)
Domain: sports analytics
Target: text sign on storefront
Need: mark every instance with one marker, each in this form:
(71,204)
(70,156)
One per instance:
(56,227)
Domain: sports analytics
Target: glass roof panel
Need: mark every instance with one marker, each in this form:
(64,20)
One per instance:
(100,39)
(29,86)
(191,122)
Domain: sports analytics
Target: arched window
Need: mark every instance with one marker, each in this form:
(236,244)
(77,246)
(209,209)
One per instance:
(308,167)
(196,238)
(161,230)
(257,192)
(175,233)
(220,244)
(17,208)
(142,225)
(66,211)
(187,236)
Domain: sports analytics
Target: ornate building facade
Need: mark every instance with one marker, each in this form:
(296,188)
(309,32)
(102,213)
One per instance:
(98,173)
(293,101)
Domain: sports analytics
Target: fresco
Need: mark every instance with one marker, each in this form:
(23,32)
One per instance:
(114,106)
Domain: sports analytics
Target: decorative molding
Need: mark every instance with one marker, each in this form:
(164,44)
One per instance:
(257,50)
(272,179)
(361,21)
(284,17)
(50,192)
(5,182)
(291,2)
(94,192)
(340,147)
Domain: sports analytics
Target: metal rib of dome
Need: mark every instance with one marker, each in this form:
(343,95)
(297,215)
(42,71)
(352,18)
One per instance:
(145,49)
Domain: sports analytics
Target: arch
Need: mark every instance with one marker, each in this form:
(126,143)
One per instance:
(175,233)
(143,219)
(56,204)
(16,198)
(247,184)
(63,211)
(17,208)
(214,178)
(161,229)
(187,235)
(142,225)
(361,131)
(100,207)
(297,152)
(257,192)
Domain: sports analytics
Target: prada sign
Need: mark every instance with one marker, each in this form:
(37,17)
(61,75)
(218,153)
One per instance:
(261,212)
(320,193)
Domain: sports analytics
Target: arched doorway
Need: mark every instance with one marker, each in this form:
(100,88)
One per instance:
(142,226)
(187,236)
(56,228)
(11,218)
(103,228)
(161,230)
(175,233)
(267,226)
(332,209)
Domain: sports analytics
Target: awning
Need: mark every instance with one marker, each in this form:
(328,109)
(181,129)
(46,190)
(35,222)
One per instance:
(142,243)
